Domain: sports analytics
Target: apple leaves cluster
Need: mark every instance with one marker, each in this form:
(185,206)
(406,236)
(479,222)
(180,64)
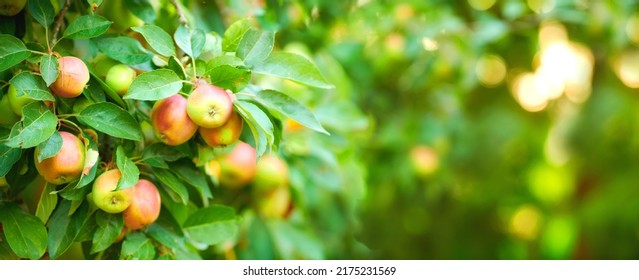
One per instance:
(111,129)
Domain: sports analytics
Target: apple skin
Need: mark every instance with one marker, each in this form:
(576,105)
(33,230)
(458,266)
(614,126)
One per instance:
(73,76)
(272,172)
(170,121)
(224,135)
(67,165)
(102,64)
(7,116)
(11,7)
(237,168)
(145,207)
(17,102)
(209,106)
(104,195)
(119,78)
(273,204)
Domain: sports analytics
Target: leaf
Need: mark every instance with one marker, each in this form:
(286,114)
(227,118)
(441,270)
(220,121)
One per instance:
(108,90)
(112,120)
(157,154)
(154,85)
(191,41)
(51,147)
(259,136)
(187,172)
(42,11)
(109,227)
(157,38)
(229,77)
(12,51)
(130,172)
(96,2)
(255,116)
(293,67)
(31,85)
(37,125)
(289,107)
(212,225)
(124,49)
(90,161)
(25,233)
(141,9)
(64,228)
(47,203)
(173,183)
(86,27)
(233,35)
(176,66)
(8,157)
(137,246)
(49,69)
(255,46)
(165,236)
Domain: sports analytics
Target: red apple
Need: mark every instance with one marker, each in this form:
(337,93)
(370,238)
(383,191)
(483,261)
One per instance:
(66,165)
(73,76)
(238,166)
(145,207)
(171,122)
(224,135)
(209,106)
(106,197)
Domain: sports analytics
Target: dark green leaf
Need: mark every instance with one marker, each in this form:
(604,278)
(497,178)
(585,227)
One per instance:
(25,233)
(233,35)
(212,225)
(5,250)
(49,69)
(112,120)
(229,77)
(109,227)
(165,236)
(12,51)
(293,67)
(47,203)
(63,229)
(137,246)
(191,41)
(8,157)
(37,125)
(31,85)
(157,38)
(176,66)
(173,183)
(124,49)
(87,26)
(130,172)
(255,46)
(154,85)
(42,11)
(187,172)
(51,147)
(157,154)
(289,107)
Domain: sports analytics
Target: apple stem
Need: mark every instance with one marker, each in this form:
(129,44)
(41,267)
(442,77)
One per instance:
(180,12)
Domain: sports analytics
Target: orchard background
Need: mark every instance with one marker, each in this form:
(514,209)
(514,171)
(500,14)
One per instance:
(274,129)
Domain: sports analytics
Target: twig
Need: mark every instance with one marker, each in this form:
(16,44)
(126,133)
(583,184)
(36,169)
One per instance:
(180,12)
(58,23)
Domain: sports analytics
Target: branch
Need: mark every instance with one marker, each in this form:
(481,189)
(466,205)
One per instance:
(58,23)
(180,12)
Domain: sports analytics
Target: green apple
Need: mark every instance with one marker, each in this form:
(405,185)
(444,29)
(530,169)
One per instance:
(145,206)
(171,122)
(67,165)
(224,135)
(275,203)
(105,195)
(102,64)
(73,76)
(119,78)
(272,172)
(17,102)
(11,7)
(7,116)
(209,106)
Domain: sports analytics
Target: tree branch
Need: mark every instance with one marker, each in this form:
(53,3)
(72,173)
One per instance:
(58,23)
(180,12)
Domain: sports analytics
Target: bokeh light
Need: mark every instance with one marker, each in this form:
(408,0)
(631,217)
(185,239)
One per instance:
(490,70)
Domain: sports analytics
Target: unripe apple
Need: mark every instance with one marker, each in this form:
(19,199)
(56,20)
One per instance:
(119,78)
(272,172)
(7,116)
(66,165)
(237,168)
(17,102)
(209,106)
(11,7)
(73,75)
(224,135)
(274,203)
(170,121)
(424,160)
(106,197)
(145,207)
(102,64)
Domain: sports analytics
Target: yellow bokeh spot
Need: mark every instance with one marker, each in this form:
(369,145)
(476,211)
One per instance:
(481,5)
(627,68)
(490,70)
(525,222)
(551,184)
(527,94)
(632,28)
(541,6)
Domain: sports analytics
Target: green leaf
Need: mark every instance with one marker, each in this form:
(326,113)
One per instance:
(224,60)
(176,66)
(233,35)
(154,85)
(86,27)
(31,85)
(49,69)
(157,154)
(8,157)
(173,183)
(108,90)
(42,11)
(109,227)
(191,41)
(25,233)
(187,172)
(256,117)
(130,172)
(165,236)
(12,51)
(293,67)
(47,203)
(137,246)
(259,136)
(112,120)
(64,228)
(289,107)
(96,2)
(212,225)
(124,49)
(90,162)
(229,77)
(37,125)
(255,46)
(141,9)
(157,38)
(51,147)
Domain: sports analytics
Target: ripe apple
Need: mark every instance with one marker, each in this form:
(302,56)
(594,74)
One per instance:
(274,203)
(171,122)
(424,160)
(17,102)
(145,207)
(119,78)
(237,168)
(11,7)
(272,172)
(73,75)
(7,116)
(209,106)
(66,165)
(224,135)
(106,197)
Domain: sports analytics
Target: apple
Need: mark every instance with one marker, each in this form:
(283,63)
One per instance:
(145,207)
(3,182)
(119,78)
(73,76)
(224,135)
(66,165)
(209,106)
(102,64)
(237,168)
(171,122)
(273,204)
(17,102)
(424,160)
(7,116)
(11,7)
(106,197)
(272,172)
(121,235)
